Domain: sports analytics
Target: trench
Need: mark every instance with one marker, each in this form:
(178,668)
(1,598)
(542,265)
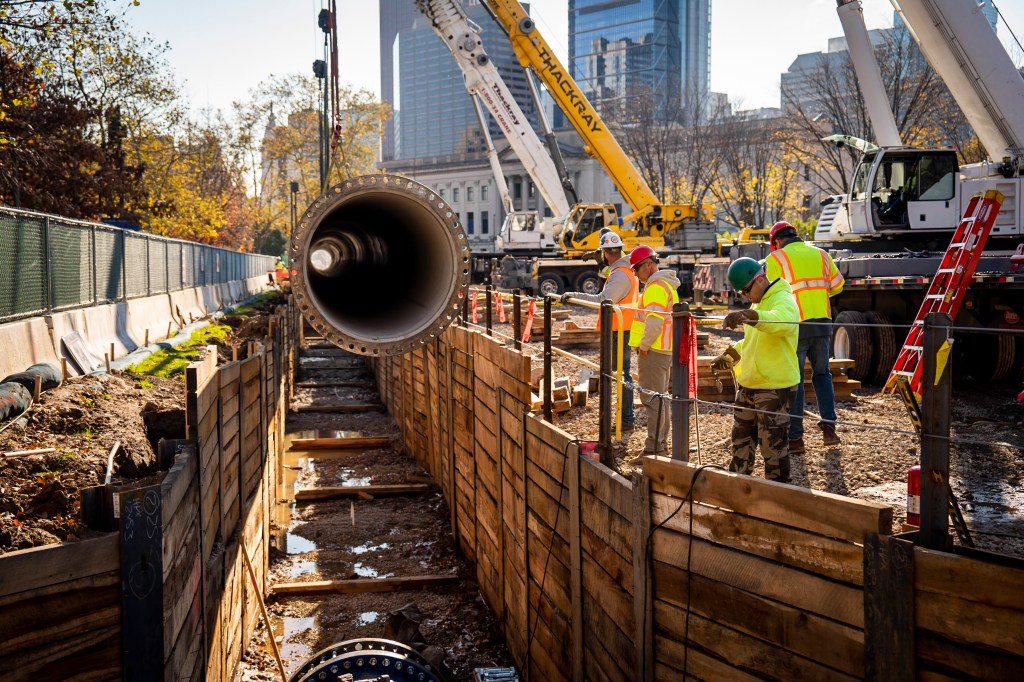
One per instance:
(363,535)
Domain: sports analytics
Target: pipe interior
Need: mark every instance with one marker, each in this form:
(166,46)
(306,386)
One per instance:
(381,267)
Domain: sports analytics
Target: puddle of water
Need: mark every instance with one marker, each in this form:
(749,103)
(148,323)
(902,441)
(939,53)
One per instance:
(308,435)
(348,480)
(293,654)
(296,544)
(302,568)
(368,617)
(363,549)
(369,572)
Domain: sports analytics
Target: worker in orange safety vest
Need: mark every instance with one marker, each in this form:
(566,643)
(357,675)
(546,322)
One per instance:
(651,335)
(814,277)
(622,288)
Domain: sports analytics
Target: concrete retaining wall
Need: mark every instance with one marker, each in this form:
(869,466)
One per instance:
(23,344)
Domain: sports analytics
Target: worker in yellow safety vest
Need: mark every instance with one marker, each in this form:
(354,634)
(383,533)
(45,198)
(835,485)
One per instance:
(814,277)
(651,335)
(622,288)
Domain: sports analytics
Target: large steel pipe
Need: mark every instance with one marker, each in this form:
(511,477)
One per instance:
(380,264)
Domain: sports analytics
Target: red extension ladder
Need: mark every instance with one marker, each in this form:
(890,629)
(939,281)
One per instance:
(949,285)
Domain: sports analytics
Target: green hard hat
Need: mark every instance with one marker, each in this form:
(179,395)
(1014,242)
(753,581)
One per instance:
(742,271)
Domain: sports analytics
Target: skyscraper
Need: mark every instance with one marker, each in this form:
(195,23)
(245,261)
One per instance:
(432,112)
(618,50)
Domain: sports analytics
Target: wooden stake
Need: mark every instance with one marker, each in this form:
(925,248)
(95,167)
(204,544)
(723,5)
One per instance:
(234,353)
(146,342)
(106,361)
(63,369)
(29,453)
(37,388)
(169,325)
(266,618)
(110,462)
(111,355)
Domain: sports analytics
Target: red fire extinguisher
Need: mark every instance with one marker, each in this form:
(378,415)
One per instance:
(914,496)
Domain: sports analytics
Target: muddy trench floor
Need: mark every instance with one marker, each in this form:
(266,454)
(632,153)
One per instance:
(379,538)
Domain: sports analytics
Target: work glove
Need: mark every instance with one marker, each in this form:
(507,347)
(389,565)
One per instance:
(567,295)
(738,317)
(725,361)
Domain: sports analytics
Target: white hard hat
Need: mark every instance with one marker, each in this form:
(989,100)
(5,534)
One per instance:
(611,241)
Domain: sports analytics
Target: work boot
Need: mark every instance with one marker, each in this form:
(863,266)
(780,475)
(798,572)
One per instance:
(796,447)
(829,435)
(783,470)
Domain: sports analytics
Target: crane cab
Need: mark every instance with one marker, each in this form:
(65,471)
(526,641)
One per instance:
(900,190)
(583,226)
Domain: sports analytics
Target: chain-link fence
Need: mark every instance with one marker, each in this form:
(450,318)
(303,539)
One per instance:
(49,263)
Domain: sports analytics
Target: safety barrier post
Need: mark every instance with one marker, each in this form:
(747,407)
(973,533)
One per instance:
(48,265)
(680,384)
(465,309)
(548,379)
(604,429)
(92,241)
(936,394)
(487,310)
(517,320)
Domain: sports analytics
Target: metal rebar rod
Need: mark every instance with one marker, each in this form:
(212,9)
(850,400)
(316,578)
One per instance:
(605,395)
(517,320)
(936,395)
(490,304)
(548,378)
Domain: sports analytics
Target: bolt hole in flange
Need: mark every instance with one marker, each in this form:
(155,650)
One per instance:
(379,263)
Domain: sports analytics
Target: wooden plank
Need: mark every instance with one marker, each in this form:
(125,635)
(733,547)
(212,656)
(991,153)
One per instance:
(812,636)
(674,659)
(839,601)
(607,534)
(643,589)
(740,650)
(964,662)
(826,556)
(335,492)
(40,567)
(608,486)
(575,565)
(888,609)
(348,443)
(815,511)
(350,408)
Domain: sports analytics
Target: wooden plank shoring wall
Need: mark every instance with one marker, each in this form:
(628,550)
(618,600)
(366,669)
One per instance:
(755,580)
(60,605)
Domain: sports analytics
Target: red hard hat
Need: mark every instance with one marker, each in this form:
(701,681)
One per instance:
(640,254)
(778,228)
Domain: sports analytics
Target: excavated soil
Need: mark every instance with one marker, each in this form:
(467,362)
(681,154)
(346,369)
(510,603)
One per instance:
(878,443)
(40,495)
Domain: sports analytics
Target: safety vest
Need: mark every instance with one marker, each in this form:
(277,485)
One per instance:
(811,273)
(657,301)
(629,303)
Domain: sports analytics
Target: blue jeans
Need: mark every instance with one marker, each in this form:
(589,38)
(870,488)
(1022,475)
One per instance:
(627,389)
(817,349)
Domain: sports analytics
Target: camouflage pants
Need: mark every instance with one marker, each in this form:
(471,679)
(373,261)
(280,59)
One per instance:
(770,430)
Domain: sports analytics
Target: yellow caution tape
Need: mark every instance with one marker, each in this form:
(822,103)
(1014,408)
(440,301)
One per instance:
(941,358)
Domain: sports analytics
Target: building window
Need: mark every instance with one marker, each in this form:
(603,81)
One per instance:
(469,193)
(483,193)
(532,190)
(484,227)
(469,222)
(441,192)
(455,194)
(517,190)
(807,201)
(807,173)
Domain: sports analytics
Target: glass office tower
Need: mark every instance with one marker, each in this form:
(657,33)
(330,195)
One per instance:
(432,112)
(619,49)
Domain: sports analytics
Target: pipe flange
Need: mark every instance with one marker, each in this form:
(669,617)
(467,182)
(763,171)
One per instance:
(435,227)
(366,659)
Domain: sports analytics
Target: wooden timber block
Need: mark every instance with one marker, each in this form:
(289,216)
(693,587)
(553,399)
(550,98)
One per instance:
(536,402)
(570,325)
(560,389)
(362,585)
(334,492)
(561,405)
(536,374)
(581,391)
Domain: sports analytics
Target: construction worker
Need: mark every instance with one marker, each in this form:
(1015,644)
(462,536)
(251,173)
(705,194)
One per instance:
(766,371)
(814,278)
(651,335)
(623,289)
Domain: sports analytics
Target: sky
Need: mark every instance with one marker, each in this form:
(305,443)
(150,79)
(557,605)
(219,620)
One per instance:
(220,49)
